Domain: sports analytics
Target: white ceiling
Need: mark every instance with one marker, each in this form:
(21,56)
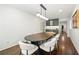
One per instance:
(52,9)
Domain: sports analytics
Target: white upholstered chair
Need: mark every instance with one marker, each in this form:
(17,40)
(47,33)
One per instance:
(26,48)
(26,41)
(49,45)
(57,36)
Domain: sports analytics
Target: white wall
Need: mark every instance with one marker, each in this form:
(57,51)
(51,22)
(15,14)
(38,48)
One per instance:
(74,33)
(15,25)
(68,26)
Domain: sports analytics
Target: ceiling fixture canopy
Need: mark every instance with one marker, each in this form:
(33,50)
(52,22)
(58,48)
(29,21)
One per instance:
(40,14)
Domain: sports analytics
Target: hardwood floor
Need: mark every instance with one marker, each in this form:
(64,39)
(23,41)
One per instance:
(65,47)
(15,50)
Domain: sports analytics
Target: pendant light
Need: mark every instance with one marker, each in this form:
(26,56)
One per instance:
(40,15)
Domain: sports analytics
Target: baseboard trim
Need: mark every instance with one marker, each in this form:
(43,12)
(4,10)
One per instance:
(8,47)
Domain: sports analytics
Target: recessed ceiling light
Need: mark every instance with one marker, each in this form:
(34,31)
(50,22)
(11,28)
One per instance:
(60,10)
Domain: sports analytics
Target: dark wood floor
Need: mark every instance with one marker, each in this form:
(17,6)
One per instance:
(15,50)
(65,47)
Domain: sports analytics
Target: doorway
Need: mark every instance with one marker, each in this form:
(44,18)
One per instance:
(64,23)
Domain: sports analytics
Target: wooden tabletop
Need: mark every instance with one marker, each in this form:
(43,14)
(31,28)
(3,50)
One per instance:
(39,36)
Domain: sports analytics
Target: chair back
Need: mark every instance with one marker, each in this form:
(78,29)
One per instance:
(51,42)
(57,36)
(25,46)
(26,41)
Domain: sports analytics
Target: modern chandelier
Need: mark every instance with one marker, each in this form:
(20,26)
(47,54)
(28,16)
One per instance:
(40,14)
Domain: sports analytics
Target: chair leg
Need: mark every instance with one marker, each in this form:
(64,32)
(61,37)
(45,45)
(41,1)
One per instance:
(20,52)
(27,52)
(50,50)
(56,45)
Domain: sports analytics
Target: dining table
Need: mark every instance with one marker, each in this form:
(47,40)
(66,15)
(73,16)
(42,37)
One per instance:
(39,37)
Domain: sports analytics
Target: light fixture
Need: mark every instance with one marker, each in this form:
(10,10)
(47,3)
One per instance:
(40,15)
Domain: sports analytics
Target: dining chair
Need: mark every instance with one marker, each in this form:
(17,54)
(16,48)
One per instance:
(26,41)
(57,38)
(49,45)
(26,48)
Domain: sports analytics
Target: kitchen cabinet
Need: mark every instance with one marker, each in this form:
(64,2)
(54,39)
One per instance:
(52,25)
